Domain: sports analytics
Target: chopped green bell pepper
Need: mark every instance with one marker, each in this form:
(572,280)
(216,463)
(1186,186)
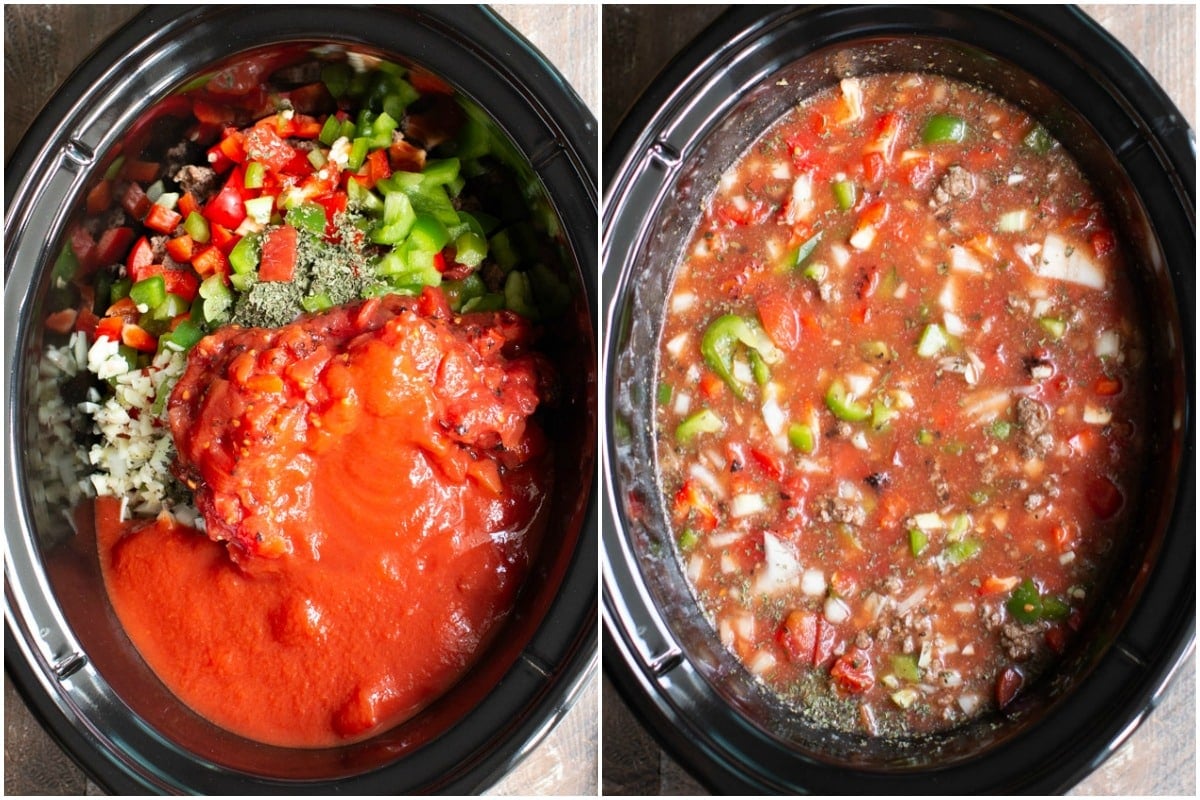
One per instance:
(720,342)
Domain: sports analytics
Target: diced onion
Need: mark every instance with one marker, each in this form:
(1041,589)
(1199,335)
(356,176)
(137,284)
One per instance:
(780,570)
(707,478)
(910,602)
(723,539)
(841,256)
(675,346)
(683,301)
(1108,344)
(968,702)
(1096,416)
(954,324)
(1013,221)
(852,99)
(905,697)
(695,569)
(682,404)
(774,417)
(962,260)
(863,237)
(812,583)
(836,610)
(1064,261)
(762,662)
(801,206)
(743,505)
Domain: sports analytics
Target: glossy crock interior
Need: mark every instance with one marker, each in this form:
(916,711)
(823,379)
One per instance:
(707,108)
(64,645)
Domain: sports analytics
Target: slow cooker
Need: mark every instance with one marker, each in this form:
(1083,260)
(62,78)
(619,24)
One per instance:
(664,160)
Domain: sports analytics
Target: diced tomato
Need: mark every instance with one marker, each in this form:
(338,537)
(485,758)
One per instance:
(1103,242)
(278,260)
(439,262)
(227,207)
(767,462)
(140,257)
(110,328)
(100,197)
(711,385)
(433,303)
(1104,497)
(188,204)
(691,500)
(140,171)
(180,248)
(780,319)
(138,338)
(210,261)
(220,162)
(1107,387)
(873,167)
(112,246)
(135,202)
(162,219)
(265,146)
(61,321)
(753,213)
(798,635)
(874,214)
(852,672)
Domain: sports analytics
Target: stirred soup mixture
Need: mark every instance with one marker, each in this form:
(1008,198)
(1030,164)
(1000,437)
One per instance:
(899,404)
(306,304)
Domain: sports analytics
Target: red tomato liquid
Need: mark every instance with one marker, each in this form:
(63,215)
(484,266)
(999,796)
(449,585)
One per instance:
(372,516)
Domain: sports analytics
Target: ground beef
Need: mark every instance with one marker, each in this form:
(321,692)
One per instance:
(1033,422)
(837,509)
(113,218)
(202,182)
(180,156)
(1020,642)
(956,184)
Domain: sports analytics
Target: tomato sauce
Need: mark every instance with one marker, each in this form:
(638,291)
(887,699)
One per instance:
(371,486)
(901,404)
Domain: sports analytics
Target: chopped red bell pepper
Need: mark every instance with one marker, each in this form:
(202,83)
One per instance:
(110,328)
(61,321)
(188,204)
(180,248)
(162,219)
(212,113)
(278,259)
(100,197)
(112,246)
(211,261)
(228,206)
(334,204)
(86,321)
(222,237)
(140,257)
(140,171)
(138,338)
(135,202)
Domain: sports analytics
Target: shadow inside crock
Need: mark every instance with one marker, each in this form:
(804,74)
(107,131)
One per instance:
(706,137)
(114,691)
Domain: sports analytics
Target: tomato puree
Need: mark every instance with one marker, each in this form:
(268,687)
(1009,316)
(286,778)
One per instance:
(370,484)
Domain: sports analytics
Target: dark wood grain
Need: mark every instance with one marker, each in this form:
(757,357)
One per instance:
(1160,757)
(42,45)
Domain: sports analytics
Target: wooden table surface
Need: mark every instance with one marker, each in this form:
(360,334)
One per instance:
(42,44)
(1160,757)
